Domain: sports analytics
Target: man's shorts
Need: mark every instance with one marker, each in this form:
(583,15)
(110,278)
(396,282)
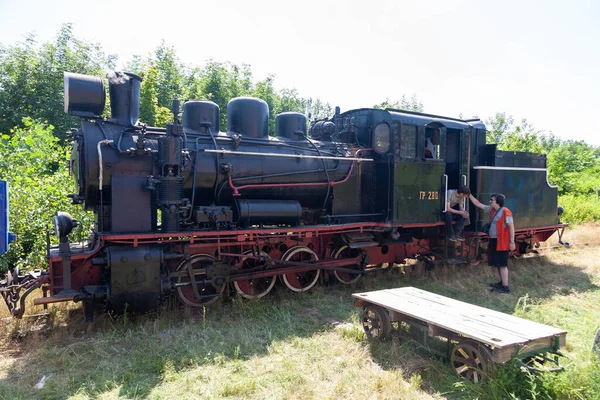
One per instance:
(496,258)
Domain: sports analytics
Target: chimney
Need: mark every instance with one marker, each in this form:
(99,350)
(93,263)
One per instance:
(124,89)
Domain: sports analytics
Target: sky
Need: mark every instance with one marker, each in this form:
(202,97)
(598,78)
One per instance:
(530,59)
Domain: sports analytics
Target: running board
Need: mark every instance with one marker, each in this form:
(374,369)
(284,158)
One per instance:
(362,245)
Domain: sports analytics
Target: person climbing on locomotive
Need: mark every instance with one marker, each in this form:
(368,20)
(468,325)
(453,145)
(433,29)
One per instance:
(455,211)
(502,238)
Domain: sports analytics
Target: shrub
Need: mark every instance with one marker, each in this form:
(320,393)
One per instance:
(35,165)
(580,209)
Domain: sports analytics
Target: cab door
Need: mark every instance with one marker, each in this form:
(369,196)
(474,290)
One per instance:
(418,168)
(456,155)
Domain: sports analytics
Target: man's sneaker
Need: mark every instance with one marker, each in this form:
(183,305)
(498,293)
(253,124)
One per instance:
(460,238)
(496,284)
(502,289)
(452,238)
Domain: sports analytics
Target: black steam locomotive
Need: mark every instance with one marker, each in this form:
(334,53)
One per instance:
(191,211)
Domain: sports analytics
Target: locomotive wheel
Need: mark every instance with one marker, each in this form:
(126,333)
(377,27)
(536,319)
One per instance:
(186,293)
(254,288)
(376,322)
(346,277)
(470,361)
(301,281)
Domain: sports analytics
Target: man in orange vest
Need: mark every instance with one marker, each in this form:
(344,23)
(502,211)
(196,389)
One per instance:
(502,238)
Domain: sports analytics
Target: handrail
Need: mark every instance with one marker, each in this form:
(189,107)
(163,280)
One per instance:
(446,193)
(464,199)
(354,159)
(250,153)
(100,164)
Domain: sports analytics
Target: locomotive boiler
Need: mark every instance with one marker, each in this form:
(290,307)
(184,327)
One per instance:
(192,210)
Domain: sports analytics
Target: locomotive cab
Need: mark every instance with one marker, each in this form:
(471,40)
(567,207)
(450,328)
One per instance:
(429,158)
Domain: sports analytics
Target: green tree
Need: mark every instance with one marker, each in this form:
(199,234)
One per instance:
(163,116)
(502,130)
(212,84)
(266,91)
(522,138)
(216,81)
(149,97)
(219,82)
(572,162)
(239,80)
(497,127)
(412,104)
(289,101)
(31,78)
(137,65)
(169,75)
(34,163)
(316,109)
(572,165)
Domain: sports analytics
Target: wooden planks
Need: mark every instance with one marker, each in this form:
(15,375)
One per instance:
(491,327)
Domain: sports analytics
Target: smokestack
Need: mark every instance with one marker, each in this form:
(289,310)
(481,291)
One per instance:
(124,89)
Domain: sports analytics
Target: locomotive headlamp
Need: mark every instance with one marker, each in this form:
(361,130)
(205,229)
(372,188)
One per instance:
(84,95)
(381,138)
(64,224)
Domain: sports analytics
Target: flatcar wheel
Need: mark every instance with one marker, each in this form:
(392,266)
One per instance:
(301,281)
(470,361)
(346,277)
(207,290)
(254,288)
(376,322)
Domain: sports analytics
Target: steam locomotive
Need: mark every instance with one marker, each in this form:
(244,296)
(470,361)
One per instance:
(192,211)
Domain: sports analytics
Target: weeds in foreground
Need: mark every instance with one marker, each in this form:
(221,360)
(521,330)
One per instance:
(303,346)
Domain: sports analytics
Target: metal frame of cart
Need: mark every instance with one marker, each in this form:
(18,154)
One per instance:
(477,337)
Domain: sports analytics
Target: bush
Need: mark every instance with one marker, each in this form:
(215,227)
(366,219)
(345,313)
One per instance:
(580,209)
(35,166)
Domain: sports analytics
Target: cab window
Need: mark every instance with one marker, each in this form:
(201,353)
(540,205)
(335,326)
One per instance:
(408,141)
(432,144)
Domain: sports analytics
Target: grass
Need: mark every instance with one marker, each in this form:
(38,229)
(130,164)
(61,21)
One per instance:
(290,346)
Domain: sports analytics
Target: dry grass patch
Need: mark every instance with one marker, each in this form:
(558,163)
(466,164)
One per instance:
(318,367)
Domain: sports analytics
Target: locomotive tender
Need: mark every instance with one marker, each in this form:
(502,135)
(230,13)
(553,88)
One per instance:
(192,211)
